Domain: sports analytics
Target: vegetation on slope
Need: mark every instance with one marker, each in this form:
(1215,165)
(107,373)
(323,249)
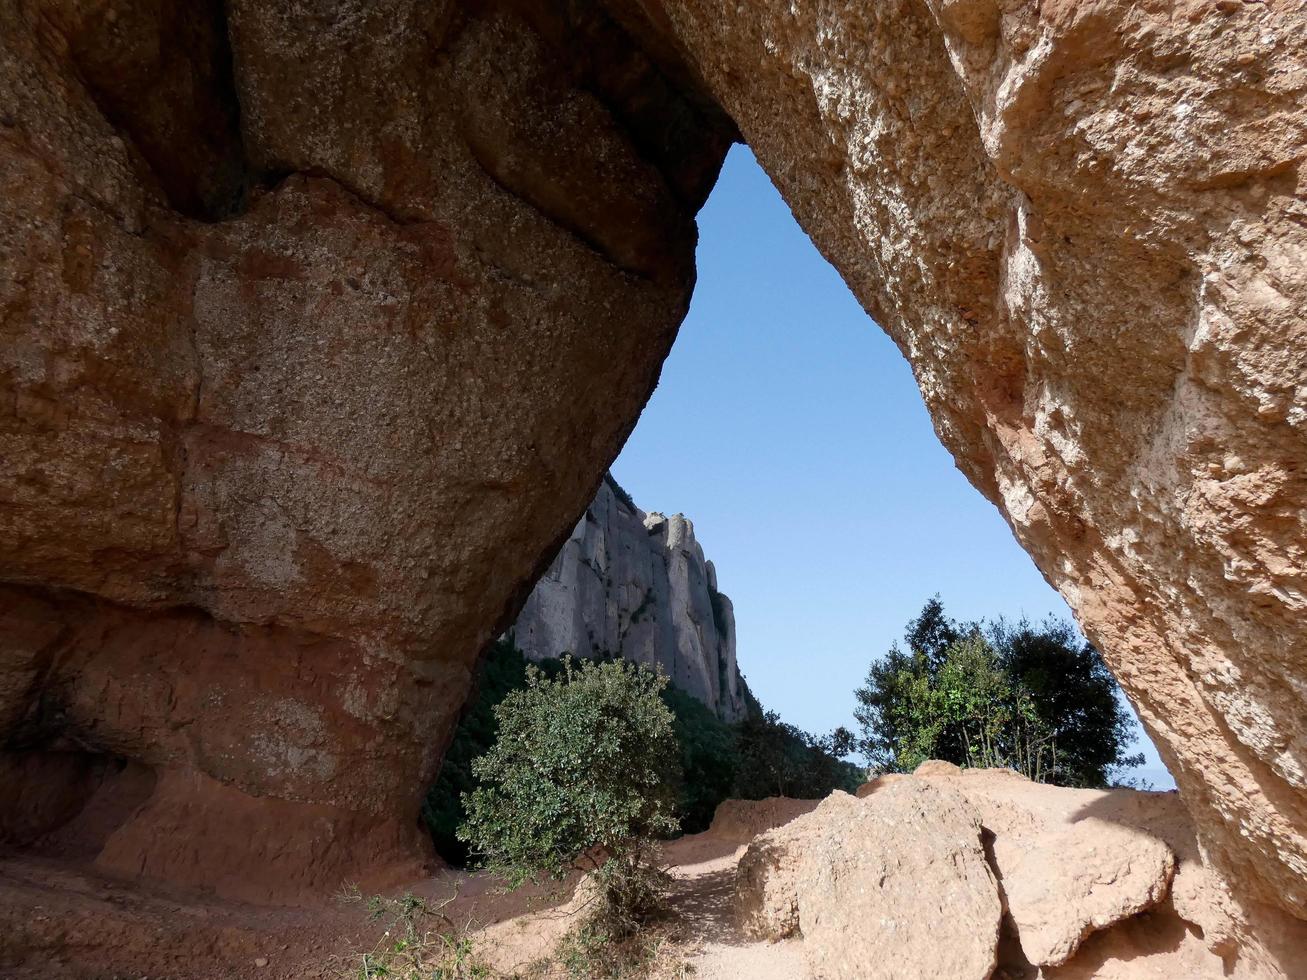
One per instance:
(759,757)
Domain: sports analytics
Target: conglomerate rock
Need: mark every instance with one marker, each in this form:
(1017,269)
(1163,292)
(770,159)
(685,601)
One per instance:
(1085,225)
(321,321)
(318,325)
(1090,883)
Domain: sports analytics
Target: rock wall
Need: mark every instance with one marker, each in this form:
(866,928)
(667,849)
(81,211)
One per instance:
(637,585)
(294,306)
(1085,225)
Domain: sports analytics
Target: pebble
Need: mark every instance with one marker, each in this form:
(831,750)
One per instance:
(261,962)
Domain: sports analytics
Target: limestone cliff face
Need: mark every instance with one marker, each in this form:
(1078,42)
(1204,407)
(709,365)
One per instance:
(637,585)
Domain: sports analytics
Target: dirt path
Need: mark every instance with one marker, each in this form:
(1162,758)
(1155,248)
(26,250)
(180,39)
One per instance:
(704,901)
(58,921)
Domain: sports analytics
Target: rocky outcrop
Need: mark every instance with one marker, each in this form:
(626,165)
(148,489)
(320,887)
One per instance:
(1085,226)
(308,353)
(636,585)
(954,873)
(892,887)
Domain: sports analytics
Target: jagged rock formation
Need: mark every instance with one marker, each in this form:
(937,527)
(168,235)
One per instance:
(319,326)
(637,585)
(308,356)
(956,873)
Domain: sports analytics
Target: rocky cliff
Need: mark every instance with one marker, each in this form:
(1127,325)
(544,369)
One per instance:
(308,320)
(637,585)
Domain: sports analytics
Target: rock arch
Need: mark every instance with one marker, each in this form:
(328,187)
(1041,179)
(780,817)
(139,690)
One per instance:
(319,325)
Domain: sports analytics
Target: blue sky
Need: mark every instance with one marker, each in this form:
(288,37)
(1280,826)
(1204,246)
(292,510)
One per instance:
(789,429)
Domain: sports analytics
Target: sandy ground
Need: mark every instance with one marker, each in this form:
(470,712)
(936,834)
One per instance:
(57,921)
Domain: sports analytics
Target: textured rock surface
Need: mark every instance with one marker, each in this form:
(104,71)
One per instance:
(1091,883)
(1085,224)
(292,308)
(743,820)
(296,303)
(637,585)
(896,885)
(1065,871)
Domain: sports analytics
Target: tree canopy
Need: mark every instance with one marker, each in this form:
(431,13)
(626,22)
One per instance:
(1035,698)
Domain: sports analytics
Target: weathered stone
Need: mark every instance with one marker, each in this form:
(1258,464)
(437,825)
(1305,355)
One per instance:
(1084,226)
(637,585)
(289,409)
(895,885)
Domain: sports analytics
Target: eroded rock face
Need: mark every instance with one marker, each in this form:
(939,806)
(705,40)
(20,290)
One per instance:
(1090,883)
(292,306)
(1085,225)
(295,300)
(1066,867)
(638,586)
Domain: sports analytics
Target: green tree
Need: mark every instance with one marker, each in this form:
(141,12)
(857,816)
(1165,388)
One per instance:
(584,765)
(778,759)
(1035,699)
(502,670)
(1074,696)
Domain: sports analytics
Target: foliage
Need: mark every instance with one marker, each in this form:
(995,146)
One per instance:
(620,493)
(1034,699)
(710,754)
(420,942)
(708,759)
(777,759)
(503,670)
(1075,695)
(584,764)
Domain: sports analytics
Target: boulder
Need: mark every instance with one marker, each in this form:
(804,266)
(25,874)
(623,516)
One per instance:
(743,820)
(894,886)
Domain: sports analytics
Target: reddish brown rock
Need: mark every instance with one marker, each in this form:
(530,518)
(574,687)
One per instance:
(319,326)
(294,311)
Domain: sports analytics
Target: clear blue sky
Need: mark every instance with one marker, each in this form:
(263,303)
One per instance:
(789,429)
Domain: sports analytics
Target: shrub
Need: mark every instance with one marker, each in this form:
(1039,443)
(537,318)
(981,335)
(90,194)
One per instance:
(420,942)
(778,759)
(584,765)
(502,670)
(719,760)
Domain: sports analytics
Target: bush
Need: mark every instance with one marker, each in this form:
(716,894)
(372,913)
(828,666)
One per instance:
(709,759)
(502,670)
(778,759)
(761,756)
(1034,699)
(585,765)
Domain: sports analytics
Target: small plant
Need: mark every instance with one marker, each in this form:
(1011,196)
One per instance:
(414,946)
(586,769)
